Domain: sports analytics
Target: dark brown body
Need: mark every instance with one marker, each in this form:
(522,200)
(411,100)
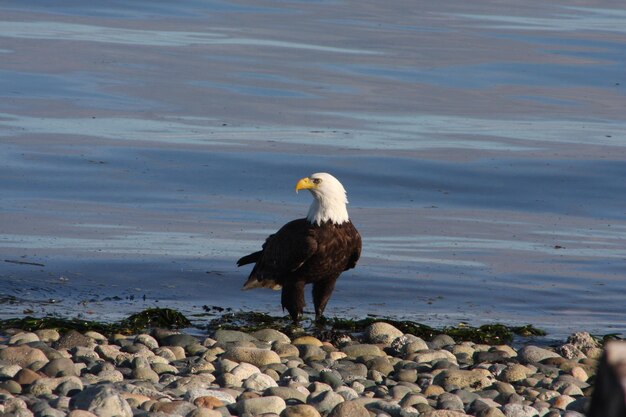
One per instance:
(303,253)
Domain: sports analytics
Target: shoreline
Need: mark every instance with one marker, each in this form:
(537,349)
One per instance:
(381,371)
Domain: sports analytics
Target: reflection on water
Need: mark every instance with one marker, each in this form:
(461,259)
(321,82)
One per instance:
(89,33)
(571,19)
(383,133)
(146,146)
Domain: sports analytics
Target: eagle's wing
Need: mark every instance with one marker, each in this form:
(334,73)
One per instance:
(283,253)
(356,253)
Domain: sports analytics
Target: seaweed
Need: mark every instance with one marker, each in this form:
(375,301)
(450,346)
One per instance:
(251,321)
(30,324)
(334,328)
(156,317)
(331,329)
(149,318)
(528,331)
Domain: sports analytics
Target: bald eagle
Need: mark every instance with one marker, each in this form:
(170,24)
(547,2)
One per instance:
(314,250)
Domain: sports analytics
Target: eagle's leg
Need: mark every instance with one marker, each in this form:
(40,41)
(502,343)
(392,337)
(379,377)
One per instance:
(321,294)
(293,299)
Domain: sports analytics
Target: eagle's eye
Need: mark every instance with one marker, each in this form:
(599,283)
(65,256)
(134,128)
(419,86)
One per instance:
(316,181)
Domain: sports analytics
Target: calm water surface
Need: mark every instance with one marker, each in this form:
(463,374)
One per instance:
(146,146)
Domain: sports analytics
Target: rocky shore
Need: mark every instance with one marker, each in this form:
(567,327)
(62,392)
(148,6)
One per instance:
(383,372)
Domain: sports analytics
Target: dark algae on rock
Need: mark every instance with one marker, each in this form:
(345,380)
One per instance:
(146,319)
(329,328)
(333,328)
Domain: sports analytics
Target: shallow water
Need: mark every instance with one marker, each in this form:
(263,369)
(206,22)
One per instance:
(147,146)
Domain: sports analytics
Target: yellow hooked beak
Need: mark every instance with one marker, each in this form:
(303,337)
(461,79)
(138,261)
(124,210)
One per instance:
(305,184)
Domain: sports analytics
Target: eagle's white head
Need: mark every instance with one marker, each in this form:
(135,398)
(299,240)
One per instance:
(330,200)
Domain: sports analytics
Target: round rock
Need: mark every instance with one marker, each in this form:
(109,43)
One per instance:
(72,339)
(300,410)
(48,335)
(519,410)
(81,413)
(229,336)
(179,339)
(444,413)
(361,350)
(102,400)
(23,337)
(259,382)
(475,379)
(349,409)
(254,356)
(440,341)
(147,340)
(307,340)
(515,372)
(60,367)
(261,405)
(326,401)
(22,355)
(534,354)
(382,332)
(271,335)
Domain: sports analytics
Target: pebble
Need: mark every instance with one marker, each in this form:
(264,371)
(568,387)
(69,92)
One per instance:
(261,405)
(254,356)
(271,335)
(361,350)
(301,410)
(48,335)
(430,356)
(307,340)
(259,382)
(179,339)
(444,413)
(519,410)
(326,401)
(23,338)
(102,400)
(60,367)
(22,355)
(474,379)
(381,332)
(534,354)
(208,402)
(349,409)
(440,341)
(387,373)
(228,336)
(73,339)
(515,372)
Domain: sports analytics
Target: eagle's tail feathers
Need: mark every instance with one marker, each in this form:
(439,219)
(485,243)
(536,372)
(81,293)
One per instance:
(248,259)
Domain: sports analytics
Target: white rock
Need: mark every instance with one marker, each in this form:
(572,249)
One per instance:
(102,400)
(519,410)
(244,371)
(9,370)
(223,396)
(432,355)
(95,336)
(23,337)
(147,340)
(259,382)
